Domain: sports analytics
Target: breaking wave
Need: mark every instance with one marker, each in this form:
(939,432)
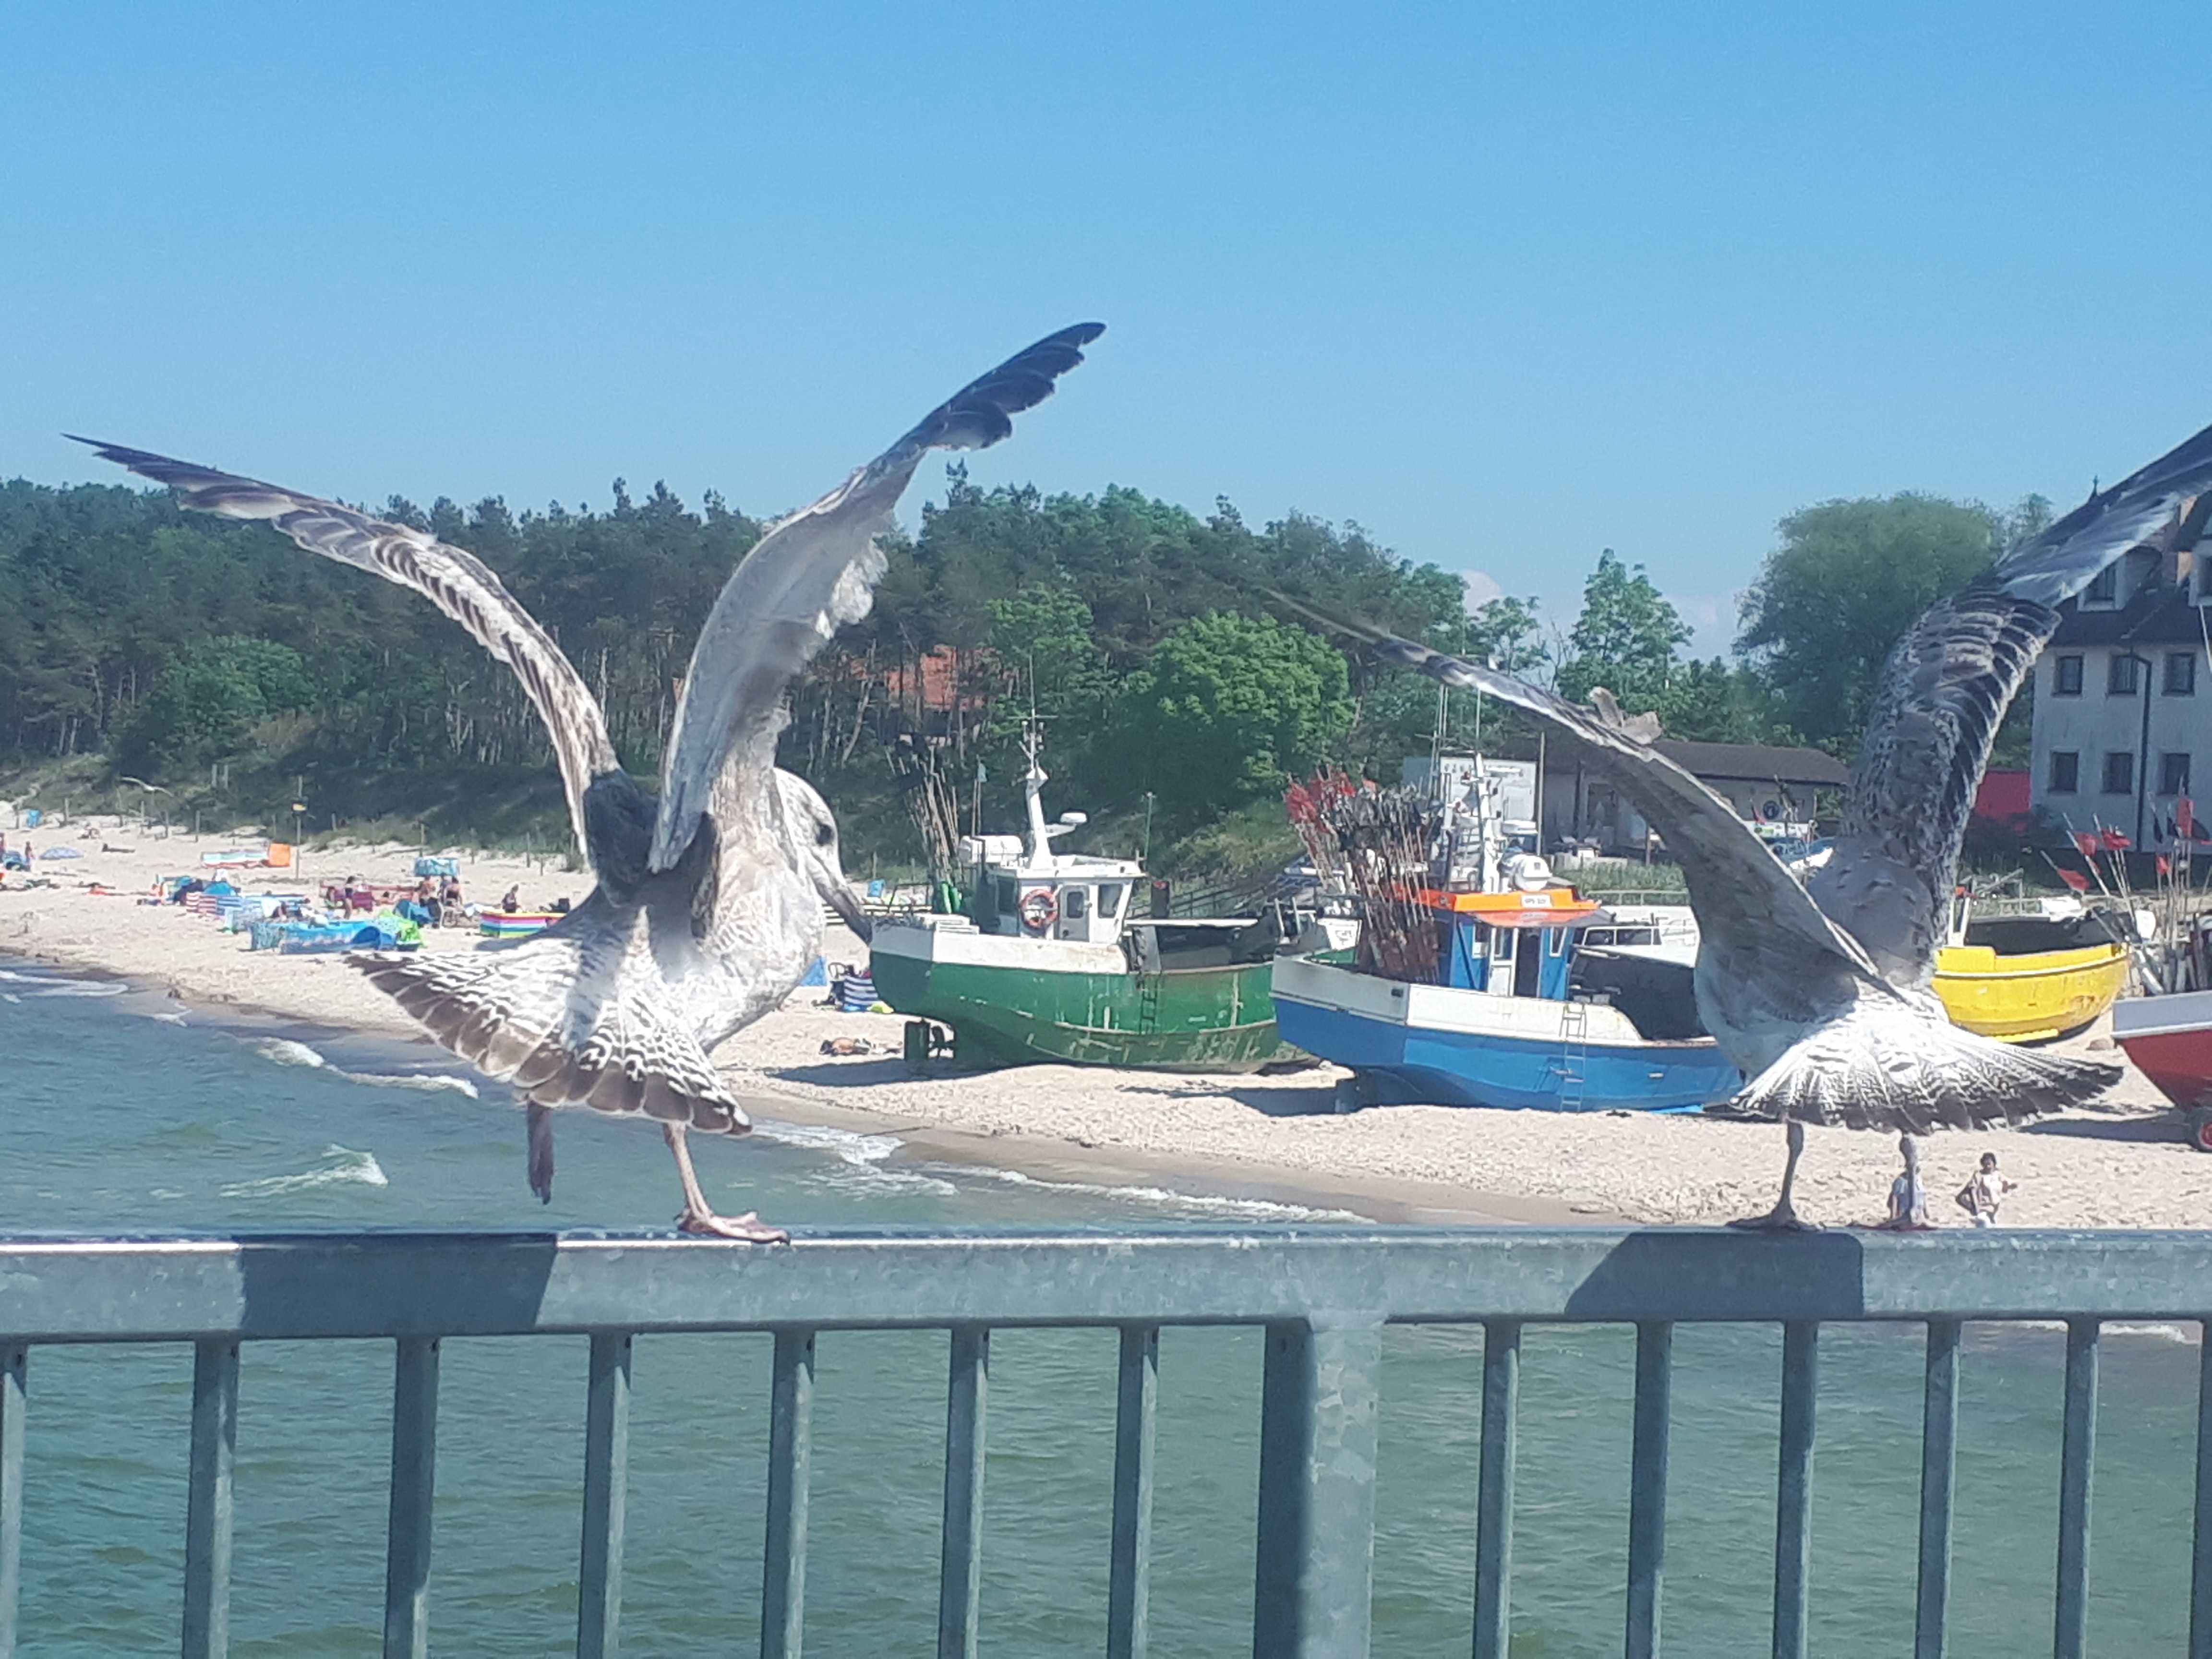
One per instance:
(1257,1209)
(283,1051)
(341,1166)
(862,1156)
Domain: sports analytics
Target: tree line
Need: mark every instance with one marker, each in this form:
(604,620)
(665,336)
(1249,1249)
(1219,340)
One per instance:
(168,643)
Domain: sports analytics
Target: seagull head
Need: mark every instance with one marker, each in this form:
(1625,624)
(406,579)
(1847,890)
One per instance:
(812,830)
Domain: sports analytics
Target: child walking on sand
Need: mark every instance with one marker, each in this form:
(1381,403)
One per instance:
(1985,1191)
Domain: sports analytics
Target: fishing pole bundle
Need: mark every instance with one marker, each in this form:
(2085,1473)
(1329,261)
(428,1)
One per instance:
(1379,846)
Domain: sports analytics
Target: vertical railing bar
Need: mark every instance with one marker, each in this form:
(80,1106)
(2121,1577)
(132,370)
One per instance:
(1313,1581)
(2200,1549)
(414,1481)
(15,1364)
(1136,1403)
(2077,1454)
(960,1572)
(607,1493)
(1494,1504)
(207,1500)
(790,1464)
(1939,1438)
(1793,1496)
(1647,1485)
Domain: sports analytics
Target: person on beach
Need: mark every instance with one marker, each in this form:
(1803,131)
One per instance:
(512,902)
(1985,1191)
(1908,1198)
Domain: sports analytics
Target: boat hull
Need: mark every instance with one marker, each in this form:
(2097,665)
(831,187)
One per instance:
(1079,1013)
(2032,998)
(1434,1045)
(2169,1038)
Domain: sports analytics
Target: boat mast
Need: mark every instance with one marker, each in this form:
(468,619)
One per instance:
(1033,781)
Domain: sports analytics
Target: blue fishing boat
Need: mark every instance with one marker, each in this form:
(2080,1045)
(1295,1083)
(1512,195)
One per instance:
(1480,981)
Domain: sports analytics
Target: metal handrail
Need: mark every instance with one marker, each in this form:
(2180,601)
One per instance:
(1322,1295)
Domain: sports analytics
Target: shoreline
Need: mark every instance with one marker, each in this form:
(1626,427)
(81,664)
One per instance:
(1269,1140)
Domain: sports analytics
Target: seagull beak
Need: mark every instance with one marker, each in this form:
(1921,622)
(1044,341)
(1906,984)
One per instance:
(841,897)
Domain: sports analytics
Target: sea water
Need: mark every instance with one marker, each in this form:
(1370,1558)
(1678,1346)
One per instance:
(118,1112)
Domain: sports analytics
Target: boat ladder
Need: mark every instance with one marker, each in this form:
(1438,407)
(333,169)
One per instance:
(1148,1001)
(1574,1051)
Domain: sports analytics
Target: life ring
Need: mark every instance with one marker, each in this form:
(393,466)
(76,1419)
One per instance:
(1039,910)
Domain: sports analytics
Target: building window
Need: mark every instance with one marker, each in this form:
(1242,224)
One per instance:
(2065,771)
(2181,673)
(2120,676)
(2173,774)
(2104,588)
(2119,775)
(2066,681)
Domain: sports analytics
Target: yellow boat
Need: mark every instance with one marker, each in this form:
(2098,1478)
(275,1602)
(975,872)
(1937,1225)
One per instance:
(2031,997)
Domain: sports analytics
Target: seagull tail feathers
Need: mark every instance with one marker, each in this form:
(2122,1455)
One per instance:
(512,1015)
(1887,1066)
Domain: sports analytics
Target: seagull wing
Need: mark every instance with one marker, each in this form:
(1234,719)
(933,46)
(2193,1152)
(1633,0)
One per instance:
(457,583)
(1943,693)
(1746,903)
(808,577)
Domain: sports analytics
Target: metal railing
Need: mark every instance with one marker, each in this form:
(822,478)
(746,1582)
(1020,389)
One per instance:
(1323,1299)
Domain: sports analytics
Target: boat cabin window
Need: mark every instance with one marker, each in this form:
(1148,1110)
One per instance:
(1600,936)
(1075,902)
(1109,899)
(1010,895)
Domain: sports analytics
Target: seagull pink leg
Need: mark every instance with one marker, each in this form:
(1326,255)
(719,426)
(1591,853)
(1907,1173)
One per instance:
(1784,1217)
(698,1219)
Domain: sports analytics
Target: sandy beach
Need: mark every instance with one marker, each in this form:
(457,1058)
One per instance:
(1264,1137)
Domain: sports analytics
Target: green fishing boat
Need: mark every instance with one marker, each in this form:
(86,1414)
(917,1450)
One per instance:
(1046,962)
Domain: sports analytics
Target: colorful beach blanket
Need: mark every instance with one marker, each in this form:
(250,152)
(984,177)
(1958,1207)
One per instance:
(500,924)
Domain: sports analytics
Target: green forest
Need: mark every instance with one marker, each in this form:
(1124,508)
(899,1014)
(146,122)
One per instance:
(143,645)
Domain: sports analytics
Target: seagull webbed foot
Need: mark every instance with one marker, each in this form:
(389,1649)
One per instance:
(746,1229)
(1782,1218)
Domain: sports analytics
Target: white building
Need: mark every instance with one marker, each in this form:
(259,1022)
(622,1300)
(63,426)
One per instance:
(2123,699)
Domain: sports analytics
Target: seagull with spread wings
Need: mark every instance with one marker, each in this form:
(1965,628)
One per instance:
(708,906)
(1820,990)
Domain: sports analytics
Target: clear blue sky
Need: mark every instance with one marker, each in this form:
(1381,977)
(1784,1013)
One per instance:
(1505,285)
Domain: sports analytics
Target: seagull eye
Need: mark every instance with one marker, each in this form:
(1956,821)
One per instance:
(823,835)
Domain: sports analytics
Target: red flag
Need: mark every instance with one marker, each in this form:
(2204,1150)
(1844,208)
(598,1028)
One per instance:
(2075,880)
(2113,842)
(2184,819)
(2085,843)
(2165,865)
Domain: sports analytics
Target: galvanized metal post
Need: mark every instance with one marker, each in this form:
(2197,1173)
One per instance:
(606,1492)
(790,1460)
(14,1360)
(414,1478)
(1136,1400)
(2077,1454)
(207,1500)
(1493,1502)
(2200,1553)
(1647,1486)
(1313,1578)
(1939,1436)
(960,1570)
(1793,1499)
